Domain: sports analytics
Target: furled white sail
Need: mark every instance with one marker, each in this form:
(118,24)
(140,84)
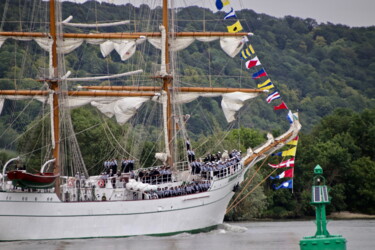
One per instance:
(231,45)
(123,108)
(63,46)
(19,97)
(176,44)
(230,103)
(104,77)
(126,47)
(92,25)
(2,40)
(182,98)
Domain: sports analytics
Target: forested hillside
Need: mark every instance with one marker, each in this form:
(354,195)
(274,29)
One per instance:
(316,67)
(343,145)
(324,71)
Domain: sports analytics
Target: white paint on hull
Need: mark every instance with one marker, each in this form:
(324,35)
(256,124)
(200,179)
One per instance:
(48,218)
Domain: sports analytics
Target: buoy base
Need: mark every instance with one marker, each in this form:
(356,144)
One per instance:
(332,242)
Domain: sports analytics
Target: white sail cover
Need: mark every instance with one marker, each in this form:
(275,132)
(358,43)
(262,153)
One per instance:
(2,40)
(63,46)
(66,22)
(176,44)
(19,97)
(127,47)
(182,98)
(123,108)
(231,45)
(124,47)
(161,156)
(230,104)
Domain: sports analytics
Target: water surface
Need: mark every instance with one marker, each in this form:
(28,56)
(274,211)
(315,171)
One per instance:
(360,234)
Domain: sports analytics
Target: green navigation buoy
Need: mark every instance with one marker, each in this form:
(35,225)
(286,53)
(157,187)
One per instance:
(322,240)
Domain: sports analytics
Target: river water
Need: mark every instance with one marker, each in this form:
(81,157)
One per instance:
(360,234)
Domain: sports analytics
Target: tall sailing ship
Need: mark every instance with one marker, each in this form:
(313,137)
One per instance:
(177,194)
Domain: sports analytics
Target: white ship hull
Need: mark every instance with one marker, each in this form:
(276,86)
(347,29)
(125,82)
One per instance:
(44,216)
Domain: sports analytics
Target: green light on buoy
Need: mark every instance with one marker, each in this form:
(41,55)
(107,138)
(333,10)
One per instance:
(322,239)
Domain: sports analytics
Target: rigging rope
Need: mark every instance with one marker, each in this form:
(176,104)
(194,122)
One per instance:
(234,203)
(251,191)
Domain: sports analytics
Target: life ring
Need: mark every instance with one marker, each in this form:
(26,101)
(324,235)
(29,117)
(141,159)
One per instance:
(71,182)
(101,183)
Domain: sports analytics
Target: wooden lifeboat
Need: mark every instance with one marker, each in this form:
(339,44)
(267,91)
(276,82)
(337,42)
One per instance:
(27,180)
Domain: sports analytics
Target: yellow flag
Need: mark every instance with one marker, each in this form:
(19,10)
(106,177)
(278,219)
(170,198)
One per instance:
(251,49)
(266,85)
(225,2)
(245,53)
(236,27)
(290,152)
(294,141)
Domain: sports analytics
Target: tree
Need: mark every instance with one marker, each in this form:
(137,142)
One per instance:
(96,144)
(253,205)
(361,186)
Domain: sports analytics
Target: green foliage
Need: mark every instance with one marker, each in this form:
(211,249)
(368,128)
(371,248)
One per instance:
(247,137)
(33,143)
(361,186)
(341,144)
(8,136)
(5,155)
(253,205)
(97,144)
(281,204)
(240,139)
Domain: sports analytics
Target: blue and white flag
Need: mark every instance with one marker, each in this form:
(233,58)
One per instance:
(290,116)
(273,96)
(230,14)
(221,3)
(286,184)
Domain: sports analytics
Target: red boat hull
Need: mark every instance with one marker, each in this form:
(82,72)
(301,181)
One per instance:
(28,180)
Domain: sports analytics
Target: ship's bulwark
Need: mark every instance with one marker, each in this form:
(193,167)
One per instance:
(42,216)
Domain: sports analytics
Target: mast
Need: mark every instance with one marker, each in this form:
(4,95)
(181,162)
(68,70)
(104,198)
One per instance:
(54,87)
(168,85)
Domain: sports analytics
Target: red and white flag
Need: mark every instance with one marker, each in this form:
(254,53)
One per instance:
(288,173)
(253,62)
(285,164)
